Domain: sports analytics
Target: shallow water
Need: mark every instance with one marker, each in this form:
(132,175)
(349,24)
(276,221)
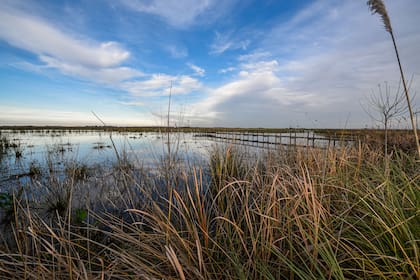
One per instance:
(51,152)
(115,168)
(45,149)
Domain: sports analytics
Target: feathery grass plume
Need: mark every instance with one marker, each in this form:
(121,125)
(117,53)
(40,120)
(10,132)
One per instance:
(378,7)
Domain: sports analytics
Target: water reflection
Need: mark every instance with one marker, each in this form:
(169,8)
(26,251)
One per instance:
(52,151)
(44,154)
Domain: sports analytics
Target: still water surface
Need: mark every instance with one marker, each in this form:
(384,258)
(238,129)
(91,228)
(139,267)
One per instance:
(56,150)
(46,147)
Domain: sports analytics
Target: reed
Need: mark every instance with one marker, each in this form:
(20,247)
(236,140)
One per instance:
(378,7)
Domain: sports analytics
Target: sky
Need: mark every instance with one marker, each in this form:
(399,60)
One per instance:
(231,63)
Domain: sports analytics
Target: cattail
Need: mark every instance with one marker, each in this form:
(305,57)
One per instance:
(378,7)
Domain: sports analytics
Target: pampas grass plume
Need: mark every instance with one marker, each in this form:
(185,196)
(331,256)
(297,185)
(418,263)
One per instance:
(378,7)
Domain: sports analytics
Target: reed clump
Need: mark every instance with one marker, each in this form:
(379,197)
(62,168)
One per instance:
(291,214)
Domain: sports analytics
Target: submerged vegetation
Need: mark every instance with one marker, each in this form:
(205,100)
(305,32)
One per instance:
(292,213)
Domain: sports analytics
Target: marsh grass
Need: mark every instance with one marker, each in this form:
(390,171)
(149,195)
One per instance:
(293,214)
(77,171)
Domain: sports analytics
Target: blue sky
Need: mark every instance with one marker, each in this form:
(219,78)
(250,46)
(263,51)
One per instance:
(237,63)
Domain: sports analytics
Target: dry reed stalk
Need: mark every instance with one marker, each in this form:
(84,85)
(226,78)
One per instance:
(378,7)
(170,253)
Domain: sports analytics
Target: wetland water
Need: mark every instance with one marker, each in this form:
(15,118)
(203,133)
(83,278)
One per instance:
(46,165)
(39,151)
(45,153)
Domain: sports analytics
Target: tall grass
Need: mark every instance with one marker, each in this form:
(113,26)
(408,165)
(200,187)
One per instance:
(378,7)
(292,214)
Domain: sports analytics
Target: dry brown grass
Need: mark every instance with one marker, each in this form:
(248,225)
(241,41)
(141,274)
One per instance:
(293,214)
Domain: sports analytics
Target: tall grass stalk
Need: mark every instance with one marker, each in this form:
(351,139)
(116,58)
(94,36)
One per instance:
(378,6)
(168,168)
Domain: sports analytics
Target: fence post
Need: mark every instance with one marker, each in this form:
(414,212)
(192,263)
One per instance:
(307,138)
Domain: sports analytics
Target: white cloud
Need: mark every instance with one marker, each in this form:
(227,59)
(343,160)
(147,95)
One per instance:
(34,116)
(226,41)
(73,56)
(132,103)
(198,70)
(160,85)
(261,66)
(37,36)
(176,51)
(109,76)
(220,44)
(256,87)
(183,13)
(255,56)
(185,84)
(227,70)
(15,115)
(180,13)
(155,86)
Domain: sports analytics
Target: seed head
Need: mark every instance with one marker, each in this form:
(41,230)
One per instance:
(378,7)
